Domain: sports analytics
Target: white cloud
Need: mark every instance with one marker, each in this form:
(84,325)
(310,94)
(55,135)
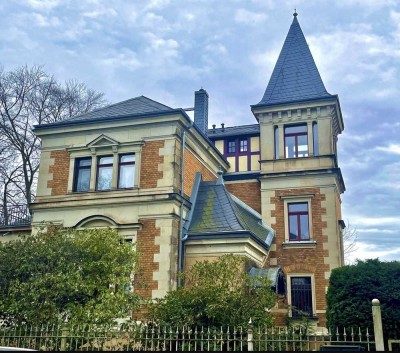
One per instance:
(374,221)
(392,148)
(45,21)
(43,4)
(103,12)
(164,47)
(370,251)
(249,17)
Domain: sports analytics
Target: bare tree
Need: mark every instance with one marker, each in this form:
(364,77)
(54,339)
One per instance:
(350,239)
(29,96)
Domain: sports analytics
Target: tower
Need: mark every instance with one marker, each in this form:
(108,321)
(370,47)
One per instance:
(301,182)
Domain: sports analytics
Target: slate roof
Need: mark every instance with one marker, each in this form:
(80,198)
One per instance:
(133,106)
(253,129)
(217,213)
(295,76)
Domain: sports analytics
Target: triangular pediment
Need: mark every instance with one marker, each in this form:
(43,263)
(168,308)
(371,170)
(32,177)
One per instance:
(103,141)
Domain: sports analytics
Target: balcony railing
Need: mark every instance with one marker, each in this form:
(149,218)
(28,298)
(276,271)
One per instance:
(15,216)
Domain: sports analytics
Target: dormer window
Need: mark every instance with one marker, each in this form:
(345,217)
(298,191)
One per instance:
(296,141)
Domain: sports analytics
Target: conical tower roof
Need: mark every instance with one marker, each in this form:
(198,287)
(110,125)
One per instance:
(295,76)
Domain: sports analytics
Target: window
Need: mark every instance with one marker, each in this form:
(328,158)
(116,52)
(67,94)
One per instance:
(82,174)
(276,137)
(296,141)
(301,295)
(298,221)
(232,146)
(104,173)
(126,171)
(243,145)
(315,138)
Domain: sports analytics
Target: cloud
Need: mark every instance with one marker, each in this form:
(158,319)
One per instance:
(46,21)
(375,221)
(42,4)
(249,17)
(392,148)
(370,251)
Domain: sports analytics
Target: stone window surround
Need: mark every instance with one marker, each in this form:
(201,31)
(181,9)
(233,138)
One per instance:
(289,289)
(97,151)
(281,138)
(295,199)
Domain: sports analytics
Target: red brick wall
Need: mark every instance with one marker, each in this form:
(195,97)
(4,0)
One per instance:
(147,248)
(193,165)
(150,159)
(60,170)
(248,192)
(310,260)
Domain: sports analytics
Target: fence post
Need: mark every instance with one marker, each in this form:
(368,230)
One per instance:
(250,336)
(378,331)
(64,335)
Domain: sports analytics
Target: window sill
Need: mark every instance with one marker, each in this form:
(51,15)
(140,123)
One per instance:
(299,244)
(101,191)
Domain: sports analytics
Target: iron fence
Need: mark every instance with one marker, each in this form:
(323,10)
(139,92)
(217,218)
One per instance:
(150,338)
(15,216)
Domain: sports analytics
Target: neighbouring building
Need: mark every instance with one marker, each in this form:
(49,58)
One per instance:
(182,192)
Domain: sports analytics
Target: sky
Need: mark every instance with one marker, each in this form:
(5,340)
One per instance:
(167,49)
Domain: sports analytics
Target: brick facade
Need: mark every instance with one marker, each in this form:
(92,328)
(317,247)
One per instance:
(147,248)
(60,171)
(303,260)
(193,165)
(248,192)
(150,161)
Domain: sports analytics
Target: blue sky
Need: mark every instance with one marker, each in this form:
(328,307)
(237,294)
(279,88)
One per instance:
(166,50)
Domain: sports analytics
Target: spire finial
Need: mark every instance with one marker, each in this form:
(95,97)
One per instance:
(295,13)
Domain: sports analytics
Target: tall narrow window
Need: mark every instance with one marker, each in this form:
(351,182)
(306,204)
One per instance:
(298,221)
(231,146)
(104,173)
(301,293)
(243,145)
(82,174)
(296,141)
(315,138)
(126,171)
(276,138)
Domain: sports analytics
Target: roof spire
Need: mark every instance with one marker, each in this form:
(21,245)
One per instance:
(295,76)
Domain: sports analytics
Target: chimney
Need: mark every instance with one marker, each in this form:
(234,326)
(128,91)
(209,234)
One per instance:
(201,110)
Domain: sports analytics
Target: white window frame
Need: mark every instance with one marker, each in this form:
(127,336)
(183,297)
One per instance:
(289,290)
(296,199)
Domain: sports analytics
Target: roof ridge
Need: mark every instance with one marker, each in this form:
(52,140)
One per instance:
(154,101)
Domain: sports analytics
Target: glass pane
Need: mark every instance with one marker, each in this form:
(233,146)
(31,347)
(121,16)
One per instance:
(315,139)
(83,180)
(127,158)
(302,146)
(290,147)
(106,160)
(304,235)
(231,146)
(126,176)
(86,162)
(104,178)
(243,145)
(298,207)
(295,129)
(293,228)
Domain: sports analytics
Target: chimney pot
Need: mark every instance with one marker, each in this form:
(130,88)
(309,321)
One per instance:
(222,126)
